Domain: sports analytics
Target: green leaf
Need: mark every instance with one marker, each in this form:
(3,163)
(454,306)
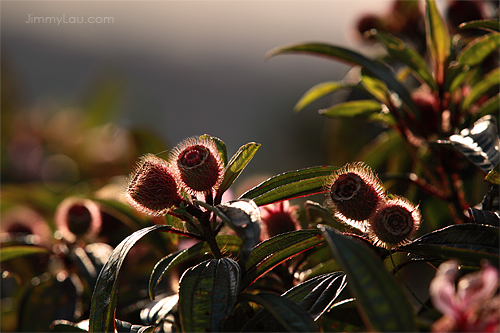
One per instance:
(352,108)
(490,80)
(493,25)
(438,37)
(291,184)
(103,303)
(315,212)
(477,50)
(228,243)
(207,294)
(383,304)
(318,91)
(469,243)
(398,50)
(376,68)
(156,312)
(286,312)
(493,176)
(14,252)
(236,165)
(221,146)
(491,106)
(278,249)
(375,87)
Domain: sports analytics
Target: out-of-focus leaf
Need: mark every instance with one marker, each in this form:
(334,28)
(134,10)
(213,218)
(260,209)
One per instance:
(291,316)
(156,311)
(62,325)
(236,165)
(383,303)
(490,80)
(104,102)
(13,252)
(397,49)
(469,243)
(278,249)
(102,311)
(480,216)
(477,50)
(382,149)
(375,87)
(438,37)
(291,184)
(125,327)
(376,68)
(221,146)
(317,91)
(493,177)
(228,243)
(480,144)
(352,108)
(207,294)
(493,25)
(491,106)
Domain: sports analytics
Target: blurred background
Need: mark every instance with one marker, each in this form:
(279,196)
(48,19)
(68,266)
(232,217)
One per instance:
(167,70)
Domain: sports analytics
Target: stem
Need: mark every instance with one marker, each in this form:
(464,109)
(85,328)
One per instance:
(210,239)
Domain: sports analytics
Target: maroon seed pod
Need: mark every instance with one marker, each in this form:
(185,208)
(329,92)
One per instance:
(353,193)
(152,187)
(198,165)
(394,223)
(77,218)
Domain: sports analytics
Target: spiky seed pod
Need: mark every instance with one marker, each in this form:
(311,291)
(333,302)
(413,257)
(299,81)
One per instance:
(394,223)
(152,187)
(353,193)
(198,165)
(78,217)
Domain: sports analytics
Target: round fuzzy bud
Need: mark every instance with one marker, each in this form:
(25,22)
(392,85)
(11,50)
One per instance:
(394,223)
(77,217)
(353,193)
(152,188)
(278,218)
(198,165)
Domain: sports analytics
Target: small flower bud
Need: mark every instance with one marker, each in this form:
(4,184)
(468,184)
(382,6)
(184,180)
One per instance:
(354,192)
(278,218)
(152,188)
(198,165)
(394,223)
(77,217)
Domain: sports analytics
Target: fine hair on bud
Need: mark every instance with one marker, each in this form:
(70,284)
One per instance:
(152,188)
(198,165)
(78,217)
(394,223)
(353,193)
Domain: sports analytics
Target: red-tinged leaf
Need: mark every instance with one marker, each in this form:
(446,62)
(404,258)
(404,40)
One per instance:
(289,185)
(477,50)
(352,109)
(318,91)
(278,249)
(438,38)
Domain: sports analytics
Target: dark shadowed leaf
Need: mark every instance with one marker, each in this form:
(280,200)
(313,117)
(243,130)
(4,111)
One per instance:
(477,50)
(493,25)
(156,312)
(480,216)
(104,297)
(227,243)
(278,249)
(490,80)
(207,294)
(62,325)
(221,146)
(291,184)
(13,252)
(480,143)
(376,68)
(438,37)
(317,91)
(236,165)
(469,243)
(399,50)
(291,316)
(125,327)
(317,213)
(352,109)
(383,303)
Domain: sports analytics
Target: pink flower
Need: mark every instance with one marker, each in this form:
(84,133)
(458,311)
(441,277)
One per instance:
(472,306)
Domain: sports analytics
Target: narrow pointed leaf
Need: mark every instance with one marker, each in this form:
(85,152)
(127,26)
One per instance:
(13,252)
(278,249)
(491,106)
(104,297)
(228,243)
(291,184)
(352,109)
(376,68)
(375,87)
(492,25)
(207,294)
(477,50)
(318,91)
(399,50)
(286,312)
(469,243)
(438,37)
(221,146)
(236,165)
(490,80)
(383,304)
